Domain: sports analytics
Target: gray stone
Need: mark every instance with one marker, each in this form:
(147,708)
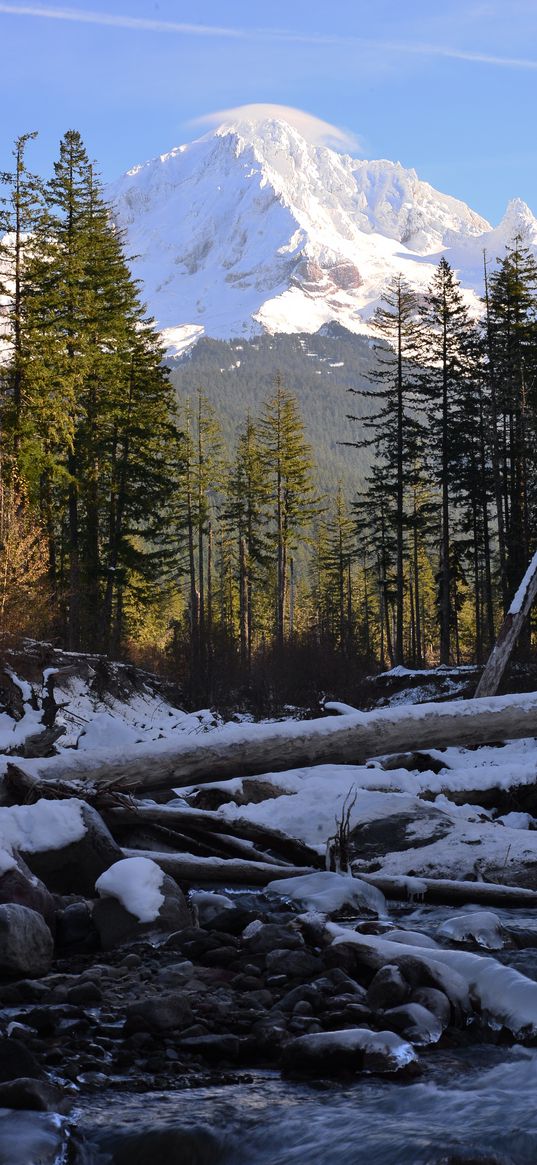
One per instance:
(115,925)
(26,945)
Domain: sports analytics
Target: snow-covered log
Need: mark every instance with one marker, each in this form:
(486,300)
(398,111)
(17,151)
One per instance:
(509,633)
(248,749)
(449,892)
(230,871)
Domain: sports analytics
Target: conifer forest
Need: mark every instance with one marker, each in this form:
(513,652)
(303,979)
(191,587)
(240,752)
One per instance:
(132,525)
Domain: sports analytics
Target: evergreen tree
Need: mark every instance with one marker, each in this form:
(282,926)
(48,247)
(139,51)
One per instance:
(288,468)
(99,458)
(396,426)
(447,361)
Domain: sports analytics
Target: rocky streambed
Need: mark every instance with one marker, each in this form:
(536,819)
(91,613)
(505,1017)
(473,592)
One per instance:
(208,1044)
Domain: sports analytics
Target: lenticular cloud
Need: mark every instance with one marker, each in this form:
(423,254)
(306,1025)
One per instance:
(313,129)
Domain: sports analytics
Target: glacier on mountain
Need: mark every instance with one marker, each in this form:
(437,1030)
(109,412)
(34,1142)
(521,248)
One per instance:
(252,228)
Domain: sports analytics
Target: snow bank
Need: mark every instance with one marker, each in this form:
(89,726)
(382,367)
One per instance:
(327,893)
(136,883)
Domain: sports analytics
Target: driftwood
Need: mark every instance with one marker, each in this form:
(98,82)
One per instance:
(509,633)
(445,891)
(204,823)
(230,872)
(252,749)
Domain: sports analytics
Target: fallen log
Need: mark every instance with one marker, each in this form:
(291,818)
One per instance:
(244,750)
(445,891)
(291,849)
(229,871)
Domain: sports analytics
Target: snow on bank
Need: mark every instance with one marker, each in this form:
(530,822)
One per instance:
(503,994)
(136,884)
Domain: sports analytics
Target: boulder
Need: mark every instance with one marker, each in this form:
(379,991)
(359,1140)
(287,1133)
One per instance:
(73,868)
(415,1022)
(115,924)
(26,945)
(16,1061)
(29,1094)
(19,885)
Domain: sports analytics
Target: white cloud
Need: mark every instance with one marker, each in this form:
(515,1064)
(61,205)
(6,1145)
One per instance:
(314,129)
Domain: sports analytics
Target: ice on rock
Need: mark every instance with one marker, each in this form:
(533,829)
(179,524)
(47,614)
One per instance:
(326,893)
(482,927)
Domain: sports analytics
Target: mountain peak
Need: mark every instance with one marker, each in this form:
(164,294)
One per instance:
(260,226)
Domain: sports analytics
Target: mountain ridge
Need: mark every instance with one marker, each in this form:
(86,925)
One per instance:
(252,229)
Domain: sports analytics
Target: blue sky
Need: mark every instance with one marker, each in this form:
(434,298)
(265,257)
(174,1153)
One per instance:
(449,89)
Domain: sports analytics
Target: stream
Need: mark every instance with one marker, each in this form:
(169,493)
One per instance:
(469,1104)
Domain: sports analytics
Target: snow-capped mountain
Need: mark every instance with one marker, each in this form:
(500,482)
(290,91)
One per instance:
(253,228)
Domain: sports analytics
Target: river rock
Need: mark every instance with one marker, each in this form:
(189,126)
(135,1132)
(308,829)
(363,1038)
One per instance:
(37,1095)
(414,1022)
(26,945)
(76,930)
(354,1050)
(388,988)
(17,1061)
(161,1013)
(74,868)
(116,925)
(258,938)
(434,1001)
(293,964)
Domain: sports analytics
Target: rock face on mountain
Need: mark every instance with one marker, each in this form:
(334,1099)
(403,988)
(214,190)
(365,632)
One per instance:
(252,228)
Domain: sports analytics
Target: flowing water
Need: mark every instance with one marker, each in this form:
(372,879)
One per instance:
(472,1104)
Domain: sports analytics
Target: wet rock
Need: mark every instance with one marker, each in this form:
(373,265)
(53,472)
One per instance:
(213,1048)
(434,1001)
(76,930)
(85,993)
(17,1061)
(176,974)
(354,1050)
(259,939)
(414,1022)
(388,988)
(232,921)
(74,868)
(37,1095)
(116,925)
(26,945)
(161,1013)
(294,964)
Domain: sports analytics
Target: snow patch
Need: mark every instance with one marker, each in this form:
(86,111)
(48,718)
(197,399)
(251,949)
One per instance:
(136,883)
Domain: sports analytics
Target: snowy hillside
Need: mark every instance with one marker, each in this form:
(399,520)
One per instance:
(252,228)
